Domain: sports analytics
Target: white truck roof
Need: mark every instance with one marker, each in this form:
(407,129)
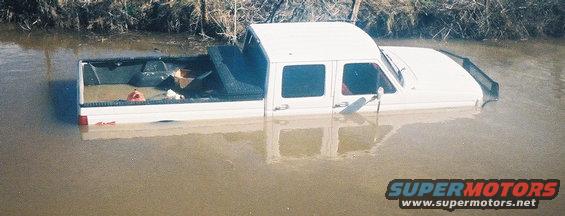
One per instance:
(314,41)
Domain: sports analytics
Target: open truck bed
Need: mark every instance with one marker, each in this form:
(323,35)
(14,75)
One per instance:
(220,77)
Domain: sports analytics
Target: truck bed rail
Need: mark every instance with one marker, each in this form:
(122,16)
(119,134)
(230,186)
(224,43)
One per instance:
(488,85)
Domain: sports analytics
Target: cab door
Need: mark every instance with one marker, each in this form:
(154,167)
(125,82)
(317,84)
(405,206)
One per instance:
(303,88)
(356,85)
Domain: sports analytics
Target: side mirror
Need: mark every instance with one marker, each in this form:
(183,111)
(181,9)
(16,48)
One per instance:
(380,93)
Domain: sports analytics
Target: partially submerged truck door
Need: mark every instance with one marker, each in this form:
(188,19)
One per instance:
(356,85)
(303,88)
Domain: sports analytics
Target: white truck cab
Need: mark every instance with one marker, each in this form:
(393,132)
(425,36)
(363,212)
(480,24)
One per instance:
(337,67)
(295,69)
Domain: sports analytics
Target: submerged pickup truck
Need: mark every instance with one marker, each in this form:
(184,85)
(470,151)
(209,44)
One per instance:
(282,69)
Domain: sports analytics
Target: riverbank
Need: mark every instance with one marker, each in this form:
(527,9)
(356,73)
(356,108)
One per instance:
(226,19)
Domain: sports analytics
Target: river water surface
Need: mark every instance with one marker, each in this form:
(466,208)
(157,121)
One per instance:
(333,165)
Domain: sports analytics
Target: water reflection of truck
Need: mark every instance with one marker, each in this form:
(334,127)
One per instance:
(282,69)
(288,137)
(279,139)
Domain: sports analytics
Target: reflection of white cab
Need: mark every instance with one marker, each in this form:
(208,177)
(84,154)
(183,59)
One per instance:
(285,138)
(310,68)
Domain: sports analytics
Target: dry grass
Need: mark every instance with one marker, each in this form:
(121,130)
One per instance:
(466,18)
(477,19)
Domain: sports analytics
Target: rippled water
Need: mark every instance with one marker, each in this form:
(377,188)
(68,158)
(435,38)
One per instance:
(326,165)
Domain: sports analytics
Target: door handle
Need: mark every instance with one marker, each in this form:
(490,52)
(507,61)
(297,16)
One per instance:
(282,107)
(342,104)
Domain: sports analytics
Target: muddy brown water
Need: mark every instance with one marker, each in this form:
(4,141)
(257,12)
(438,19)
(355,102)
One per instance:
(333,165)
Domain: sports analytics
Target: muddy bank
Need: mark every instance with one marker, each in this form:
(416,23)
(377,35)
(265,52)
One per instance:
(478,19)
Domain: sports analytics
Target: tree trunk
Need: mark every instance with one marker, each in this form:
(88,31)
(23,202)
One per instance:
(203,18)
(355,10)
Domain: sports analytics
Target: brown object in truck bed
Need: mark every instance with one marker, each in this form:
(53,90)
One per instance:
(182,77)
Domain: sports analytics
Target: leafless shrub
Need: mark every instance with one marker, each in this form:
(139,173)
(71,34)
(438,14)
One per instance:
(477,19)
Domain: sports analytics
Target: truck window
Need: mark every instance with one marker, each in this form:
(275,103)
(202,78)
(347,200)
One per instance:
(303,81)
(364,78)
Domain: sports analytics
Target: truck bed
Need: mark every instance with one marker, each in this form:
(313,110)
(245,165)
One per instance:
(223,75)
